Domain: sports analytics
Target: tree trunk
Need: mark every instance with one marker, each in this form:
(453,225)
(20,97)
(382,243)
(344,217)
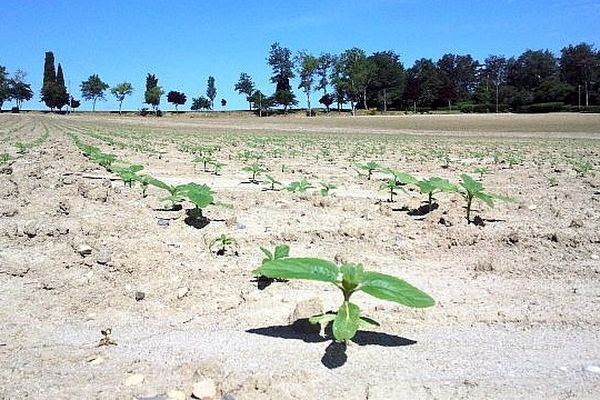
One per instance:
(365,98)
(120,105)
(449,105)
(94,106)
(384,100)
(308,102)
(587,95)
(353,105)
(497,106)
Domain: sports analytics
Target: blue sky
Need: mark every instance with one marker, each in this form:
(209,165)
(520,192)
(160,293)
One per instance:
(183,42)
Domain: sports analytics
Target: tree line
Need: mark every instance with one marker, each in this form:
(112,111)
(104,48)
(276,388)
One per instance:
(369,81)
(380,80)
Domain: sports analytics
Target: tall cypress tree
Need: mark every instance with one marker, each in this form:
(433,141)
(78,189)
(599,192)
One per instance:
(49,83)
(62,97)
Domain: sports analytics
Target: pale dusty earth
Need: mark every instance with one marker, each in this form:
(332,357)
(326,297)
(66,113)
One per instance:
(518,299)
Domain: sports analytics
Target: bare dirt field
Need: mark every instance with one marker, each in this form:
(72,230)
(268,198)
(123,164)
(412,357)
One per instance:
(517,312)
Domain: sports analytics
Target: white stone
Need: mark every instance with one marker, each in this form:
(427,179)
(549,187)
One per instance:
(176,395)
(204,390)
(182,292)
(134,380)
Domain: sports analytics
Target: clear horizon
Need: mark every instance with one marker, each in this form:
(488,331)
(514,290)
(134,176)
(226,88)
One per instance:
(185,42)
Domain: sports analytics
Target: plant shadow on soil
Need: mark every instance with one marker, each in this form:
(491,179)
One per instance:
(335,353)
(423,210)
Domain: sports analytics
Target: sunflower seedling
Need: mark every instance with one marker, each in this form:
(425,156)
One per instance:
(205,160)
(397,181)
(255,169)
(481,171)
(5,158)
(349,278)
(370,167)
(300,186)
(435,185)
(272,182)
(582,167)
(224,242)
(281,251)
(327,188)
(127,175)
(474,190)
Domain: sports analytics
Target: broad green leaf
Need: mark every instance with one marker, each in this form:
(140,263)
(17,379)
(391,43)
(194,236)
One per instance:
(200,195)
(390,288)
(470,184)
(346,322)
(159,184)
(136,168)
(426,186)
(485,197)
(442,185)
(299,268)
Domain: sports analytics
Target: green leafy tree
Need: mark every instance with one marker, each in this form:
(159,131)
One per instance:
(19,90)
(153,92)
(245,85)
(325,65)
(62,97)
(200,103)
(121,91)
(388,77)
(93,89)
(352,74)
(280,60)
(579,67)
(211,91)
(49,82)
(423,83)
(176,98)
(495,72)
(307,65)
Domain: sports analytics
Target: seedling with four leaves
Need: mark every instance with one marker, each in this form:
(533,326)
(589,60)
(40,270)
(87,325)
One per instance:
(255,169)
(349,278)
(370,167)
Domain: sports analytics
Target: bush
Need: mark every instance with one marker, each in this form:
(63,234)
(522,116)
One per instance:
(538,108)
(588,109)
(15,110)
(466,108)
(313,113)
(144,111)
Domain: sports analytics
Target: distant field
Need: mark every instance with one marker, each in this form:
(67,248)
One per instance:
(544,125)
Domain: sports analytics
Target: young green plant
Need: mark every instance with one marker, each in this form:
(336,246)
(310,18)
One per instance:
(474,190)
(349,278)
(435,185)
(327,188)
(255,169)
(300,186)
(224,241)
